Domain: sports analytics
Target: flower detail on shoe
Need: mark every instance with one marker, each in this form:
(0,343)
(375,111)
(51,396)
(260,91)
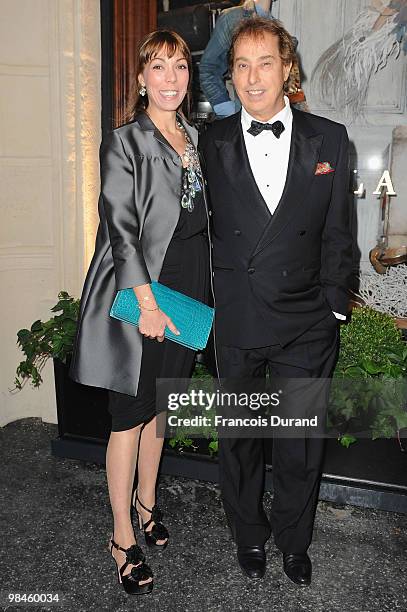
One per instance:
(135,555)
(159,532)
(141,572)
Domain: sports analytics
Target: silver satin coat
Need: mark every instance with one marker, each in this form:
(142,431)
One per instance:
(139,207)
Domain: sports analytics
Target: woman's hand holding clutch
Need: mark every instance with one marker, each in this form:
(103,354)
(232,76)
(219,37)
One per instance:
(153,321)
(152,324)
(188,323)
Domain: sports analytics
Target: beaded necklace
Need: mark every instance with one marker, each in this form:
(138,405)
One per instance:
(192,176)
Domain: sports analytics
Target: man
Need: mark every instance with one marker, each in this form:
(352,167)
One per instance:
(282,261)
(214,62)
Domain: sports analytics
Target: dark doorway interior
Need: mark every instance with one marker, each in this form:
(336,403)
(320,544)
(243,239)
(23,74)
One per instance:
(106,25)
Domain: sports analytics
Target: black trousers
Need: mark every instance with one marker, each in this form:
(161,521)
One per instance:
(296,462)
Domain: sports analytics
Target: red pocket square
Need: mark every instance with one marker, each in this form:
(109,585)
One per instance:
(324,168)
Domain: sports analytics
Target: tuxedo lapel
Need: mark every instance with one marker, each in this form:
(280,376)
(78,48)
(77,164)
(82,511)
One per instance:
(235,161)
(304,151)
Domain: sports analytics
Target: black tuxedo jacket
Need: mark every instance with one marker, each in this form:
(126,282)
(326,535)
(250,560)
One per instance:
(277,275)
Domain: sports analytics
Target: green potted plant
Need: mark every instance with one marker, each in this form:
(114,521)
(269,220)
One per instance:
(370,377)
(372,347)
(82,413)
(52,339)
(182,441)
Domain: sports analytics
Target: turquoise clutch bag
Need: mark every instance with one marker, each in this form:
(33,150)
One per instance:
(192,318)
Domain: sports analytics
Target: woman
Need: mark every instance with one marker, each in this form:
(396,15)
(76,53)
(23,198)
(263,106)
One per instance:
(153,226)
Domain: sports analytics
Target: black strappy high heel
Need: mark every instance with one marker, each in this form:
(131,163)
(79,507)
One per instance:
(158,531)
(131,581)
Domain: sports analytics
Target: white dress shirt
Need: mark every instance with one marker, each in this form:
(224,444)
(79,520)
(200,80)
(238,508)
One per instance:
(268,155)
(268,158)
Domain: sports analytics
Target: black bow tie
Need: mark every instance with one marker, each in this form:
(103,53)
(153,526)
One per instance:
(256,127)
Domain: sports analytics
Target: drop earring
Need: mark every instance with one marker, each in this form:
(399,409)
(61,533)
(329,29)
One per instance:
(143,90)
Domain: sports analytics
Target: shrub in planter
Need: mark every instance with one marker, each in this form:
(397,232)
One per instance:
(54,339)
(370,377)
(208,442)
(370,340)
(371,348)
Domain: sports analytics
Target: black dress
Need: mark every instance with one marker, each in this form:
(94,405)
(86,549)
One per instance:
(185,269)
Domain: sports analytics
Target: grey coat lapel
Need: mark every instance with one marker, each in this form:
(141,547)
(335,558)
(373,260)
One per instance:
(147,124)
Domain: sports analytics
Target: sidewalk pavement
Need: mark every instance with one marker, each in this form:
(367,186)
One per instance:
(56,522)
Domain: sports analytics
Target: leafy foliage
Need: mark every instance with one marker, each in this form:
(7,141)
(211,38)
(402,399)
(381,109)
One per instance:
(181,440)
(54,338)
(373,360)
(368,342)
(346,441)
(372,349)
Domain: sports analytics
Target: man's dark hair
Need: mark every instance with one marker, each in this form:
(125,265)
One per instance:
(257,27)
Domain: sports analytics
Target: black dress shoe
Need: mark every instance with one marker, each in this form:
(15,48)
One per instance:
(252,560)
(298,568)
